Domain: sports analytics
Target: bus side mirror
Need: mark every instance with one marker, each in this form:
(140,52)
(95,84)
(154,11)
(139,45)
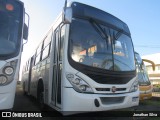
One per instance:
(151,62)
(25,32)
(67,15)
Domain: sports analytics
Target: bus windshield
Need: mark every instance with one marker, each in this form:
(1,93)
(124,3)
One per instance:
(101,47)
(10,22)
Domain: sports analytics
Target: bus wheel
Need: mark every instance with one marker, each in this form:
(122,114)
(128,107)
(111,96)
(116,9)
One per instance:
(40,98)
(24,92)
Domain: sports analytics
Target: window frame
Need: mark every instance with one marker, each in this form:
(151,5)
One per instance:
(38,53)
(50,37)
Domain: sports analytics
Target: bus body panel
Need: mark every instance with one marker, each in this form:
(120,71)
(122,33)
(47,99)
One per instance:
(145,92)
(2,63)
(57,22)
(42,71)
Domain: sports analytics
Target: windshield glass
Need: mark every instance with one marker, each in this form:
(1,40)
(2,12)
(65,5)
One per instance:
(9,27)
(100,47)
(141,70)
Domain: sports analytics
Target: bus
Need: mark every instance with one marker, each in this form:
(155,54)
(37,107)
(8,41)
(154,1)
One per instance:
(145,86)
(84,63)
(12,32)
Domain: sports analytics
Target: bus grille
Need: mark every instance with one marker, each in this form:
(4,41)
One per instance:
(111,100)
(109,89)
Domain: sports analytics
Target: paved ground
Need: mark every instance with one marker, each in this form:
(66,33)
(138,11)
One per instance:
(29,104)
(24,102)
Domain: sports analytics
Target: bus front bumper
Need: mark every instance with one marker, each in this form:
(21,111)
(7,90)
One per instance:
(145,96)
(74,102)
(6,101)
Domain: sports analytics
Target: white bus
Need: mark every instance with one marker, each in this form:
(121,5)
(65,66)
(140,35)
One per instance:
(84,63)
(12,32)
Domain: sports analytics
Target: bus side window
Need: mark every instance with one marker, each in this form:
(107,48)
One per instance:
(45,52)
(37,58)
(46,46)
(38,54)
(34,60)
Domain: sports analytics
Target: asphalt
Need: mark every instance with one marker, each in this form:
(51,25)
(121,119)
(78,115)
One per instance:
(24,102)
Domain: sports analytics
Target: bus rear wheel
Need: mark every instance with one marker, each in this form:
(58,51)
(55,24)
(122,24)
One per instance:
(40,97)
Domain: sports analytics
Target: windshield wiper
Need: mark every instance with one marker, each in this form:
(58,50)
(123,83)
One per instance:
(101,31)
(118,34)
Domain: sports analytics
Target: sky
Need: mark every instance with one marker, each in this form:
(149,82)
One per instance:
(142,17)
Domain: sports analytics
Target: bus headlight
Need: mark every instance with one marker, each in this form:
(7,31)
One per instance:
(76,81)
(79,84)
(7,74)
(3,79)
(8,70)
(134,86)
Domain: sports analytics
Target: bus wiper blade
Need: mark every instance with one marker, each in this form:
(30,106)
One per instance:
(118,34)
(100,30)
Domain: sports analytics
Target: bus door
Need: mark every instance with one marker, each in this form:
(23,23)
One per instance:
(57,69)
